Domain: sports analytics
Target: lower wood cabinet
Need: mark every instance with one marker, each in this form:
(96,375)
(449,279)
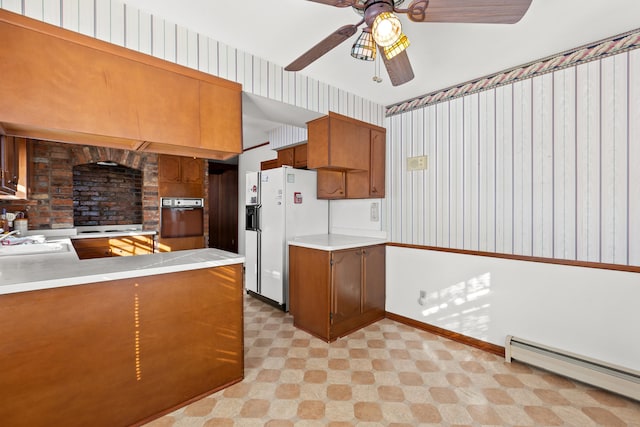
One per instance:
(120,352)
(333,293)
(101,247)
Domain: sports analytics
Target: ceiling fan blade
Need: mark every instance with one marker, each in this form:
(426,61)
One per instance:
(336,3)
(333,40)
(467,11)
(398,68)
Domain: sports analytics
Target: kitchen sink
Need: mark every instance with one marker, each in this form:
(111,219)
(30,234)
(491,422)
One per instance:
(34,249)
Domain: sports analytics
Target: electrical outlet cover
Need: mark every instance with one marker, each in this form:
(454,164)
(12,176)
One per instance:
(417,163)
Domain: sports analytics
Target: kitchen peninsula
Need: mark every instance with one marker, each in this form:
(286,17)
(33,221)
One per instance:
(116,341)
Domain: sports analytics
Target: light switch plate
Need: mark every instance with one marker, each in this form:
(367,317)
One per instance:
(417,163)
(375,217)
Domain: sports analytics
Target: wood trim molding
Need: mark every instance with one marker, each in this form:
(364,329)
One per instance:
(587,264)
(454,336)
(255,146)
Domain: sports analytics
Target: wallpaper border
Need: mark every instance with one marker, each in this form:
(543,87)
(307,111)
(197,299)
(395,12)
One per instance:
(580,55)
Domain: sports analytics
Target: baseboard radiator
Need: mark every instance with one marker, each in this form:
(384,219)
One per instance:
(600,374)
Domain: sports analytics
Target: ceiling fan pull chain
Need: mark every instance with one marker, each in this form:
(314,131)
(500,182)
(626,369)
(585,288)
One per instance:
(376,70)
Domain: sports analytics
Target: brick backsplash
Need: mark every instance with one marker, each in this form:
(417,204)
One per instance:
(106,195)
(50,203)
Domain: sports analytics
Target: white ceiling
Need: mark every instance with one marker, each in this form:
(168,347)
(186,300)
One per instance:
(441,54)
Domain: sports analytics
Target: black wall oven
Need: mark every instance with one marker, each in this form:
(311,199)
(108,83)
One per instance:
(181,217)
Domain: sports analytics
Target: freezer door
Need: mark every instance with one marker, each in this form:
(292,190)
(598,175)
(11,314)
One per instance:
(252,189)
(272,221)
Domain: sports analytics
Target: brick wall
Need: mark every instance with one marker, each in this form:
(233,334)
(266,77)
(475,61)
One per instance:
(106,195)
(50,200)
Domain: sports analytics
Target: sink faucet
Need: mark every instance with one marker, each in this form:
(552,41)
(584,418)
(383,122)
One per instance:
(4,236)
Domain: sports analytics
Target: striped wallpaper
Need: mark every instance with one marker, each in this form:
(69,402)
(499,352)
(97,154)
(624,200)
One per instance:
(117,23)
(286,135)
(547,166)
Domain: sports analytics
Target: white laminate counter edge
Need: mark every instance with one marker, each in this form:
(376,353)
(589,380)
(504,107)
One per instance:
(58,271)
(334,242)
(113,234)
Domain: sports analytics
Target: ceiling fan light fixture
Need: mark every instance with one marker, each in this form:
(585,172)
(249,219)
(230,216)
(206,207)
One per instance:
(386,29)
(365,47)
(397,47)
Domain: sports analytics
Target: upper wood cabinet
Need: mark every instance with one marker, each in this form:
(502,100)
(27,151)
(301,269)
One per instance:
(349,155)
(338,142)
(269,164)
(295,156)
(64,86)
(180,176)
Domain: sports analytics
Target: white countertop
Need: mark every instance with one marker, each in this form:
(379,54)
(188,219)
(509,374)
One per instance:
(334,242)
(21,273)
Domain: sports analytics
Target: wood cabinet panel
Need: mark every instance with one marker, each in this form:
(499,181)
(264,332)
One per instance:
(169,169)
(9,166)
(310,303)
(331,184)
(269,164)
(180,176)
(355,148)
(347,284)
(285,156)
(300,156)
(295,156)
(220,118)
(378,159)
(191,170)
(64,86)
(373,298)
(318,143)
(119,352)
(172,244)
(348,145)
(101,247)
(333,293)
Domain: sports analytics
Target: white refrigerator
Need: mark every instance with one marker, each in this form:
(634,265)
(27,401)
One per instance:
(281,204)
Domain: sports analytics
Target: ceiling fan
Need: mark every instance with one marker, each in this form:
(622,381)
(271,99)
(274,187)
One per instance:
(383,30)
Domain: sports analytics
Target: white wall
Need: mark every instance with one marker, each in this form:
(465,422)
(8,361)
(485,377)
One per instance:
(544,167)
(591,312)
(357,217)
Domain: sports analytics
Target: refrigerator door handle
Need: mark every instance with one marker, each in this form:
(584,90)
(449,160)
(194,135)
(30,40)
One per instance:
(258,218)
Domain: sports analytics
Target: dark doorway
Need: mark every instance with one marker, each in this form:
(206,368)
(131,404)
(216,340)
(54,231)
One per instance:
(223,206)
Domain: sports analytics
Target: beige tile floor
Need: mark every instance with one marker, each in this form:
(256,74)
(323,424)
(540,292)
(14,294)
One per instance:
(389,374)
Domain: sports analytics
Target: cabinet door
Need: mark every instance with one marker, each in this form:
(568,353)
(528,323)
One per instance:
(8,165)
(309,290)
(268,164)
(285,157)
(347,286)
(331,184)
(168,168)
(357,184)
(348,145)
(373,297)
(377,168)
(300,156)
(191,170)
